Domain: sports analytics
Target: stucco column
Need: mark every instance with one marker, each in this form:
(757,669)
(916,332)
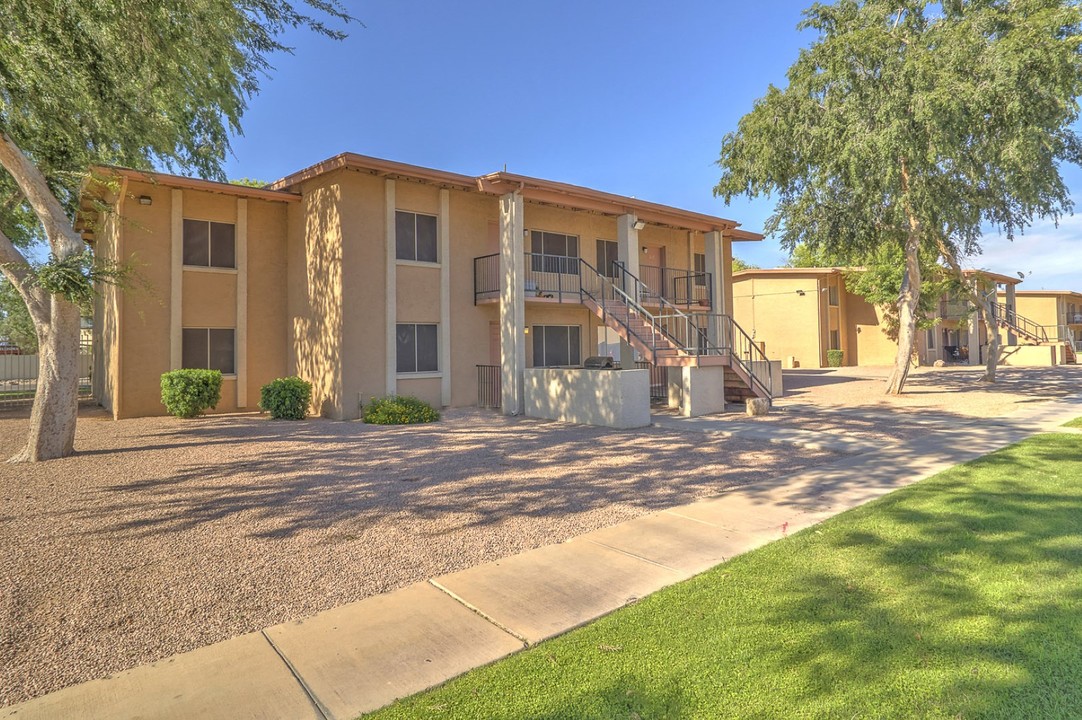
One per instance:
(240,334)
(176,278)
(715,265)
(1012,339)
(390,347)
(627,251)
(445,295)
(512,304)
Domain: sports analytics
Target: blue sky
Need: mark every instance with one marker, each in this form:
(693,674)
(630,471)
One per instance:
(628,97)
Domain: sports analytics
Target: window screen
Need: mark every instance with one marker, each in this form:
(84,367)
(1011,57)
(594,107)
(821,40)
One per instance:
(415,237)
(417,348)
(209,349)
(210,244)
(556,345)
(608,254)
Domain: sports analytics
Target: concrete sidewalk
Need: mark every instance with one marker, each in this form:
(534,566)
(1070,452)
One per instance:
(361,656)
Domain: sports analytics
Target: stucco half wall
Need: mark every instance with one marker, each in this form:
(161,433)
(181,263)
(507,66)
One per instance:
(609,398)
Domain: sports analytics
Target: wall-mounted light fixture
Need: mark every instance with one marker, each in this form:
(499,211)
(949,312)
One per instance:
(645,249)
(527,330)
(640,224)
(145,200)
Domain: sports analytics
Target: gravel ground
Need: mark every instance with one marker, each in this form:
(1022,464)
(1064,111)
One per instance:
(161,535)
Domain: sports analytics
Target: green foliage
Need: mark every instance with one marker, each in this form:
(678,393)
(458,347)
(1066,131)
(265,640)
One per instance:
(876,275)
(77,278)
(190,393)
(955,597)
(249,182)
(15,322)
(286,398)
(140,84)
(835,358)
(739,265)
(912,116)
(399,410)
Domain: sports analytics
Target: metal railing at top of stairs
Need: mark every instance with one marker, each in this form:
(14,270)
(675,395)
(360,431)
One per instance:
(600,288)
(693,334)
(1006,315)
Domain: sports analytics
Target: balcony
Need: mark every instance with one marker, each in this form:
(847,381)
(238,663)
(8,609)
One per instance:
(558,279)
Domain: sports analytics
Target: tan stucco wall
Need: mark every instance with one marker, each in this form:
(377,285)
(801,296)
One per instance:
(471,215)
(314,289)
(209,298)
(867,343)
(785,322)
(144,316)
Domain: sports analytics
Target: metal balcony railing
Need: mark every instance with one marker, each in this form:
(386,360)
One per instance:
(558,277)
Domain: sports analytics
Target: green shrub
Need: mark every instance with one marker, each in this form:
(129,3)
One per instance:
(189,393)
(399,410)
(286,398)
(834,358)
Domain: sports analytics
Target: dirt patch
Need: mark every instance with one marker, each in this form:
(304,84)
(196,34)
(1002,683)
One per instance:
(161,535)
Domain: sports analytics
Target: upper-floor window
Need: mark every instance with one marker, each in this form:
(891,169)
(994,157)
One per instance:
(210,244)
(415,236)
(554,252)
(209,349)
(608,254)
(832,296)
(417,348)
(699,260)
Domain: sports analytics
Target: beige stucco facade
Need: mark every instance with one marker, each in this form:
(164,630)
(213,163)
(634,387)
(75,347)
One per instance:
(318,291)
(798,314)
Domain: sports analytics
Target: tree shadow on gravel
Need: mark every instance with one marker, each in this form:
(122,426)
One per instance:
(319,474)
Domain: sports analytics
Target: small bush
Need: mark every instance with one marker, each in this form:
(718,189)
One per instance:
(835,357)
(190,393)
(286,398)
(399,410)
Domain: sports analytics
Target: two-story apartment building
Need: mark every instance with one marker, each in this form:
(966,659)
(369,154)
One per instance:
(799,314)
(370,277)
(1049,316)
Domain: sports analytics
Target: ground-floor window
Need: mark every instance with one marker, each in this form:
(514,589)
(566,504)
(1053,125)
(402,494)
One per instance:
(209,349)
(931,339)
(417,348)
(556,345)
(835,340)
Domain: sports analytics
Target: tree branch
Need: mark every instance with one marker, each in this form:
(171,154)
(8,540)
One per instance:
(17,270)
(61,235)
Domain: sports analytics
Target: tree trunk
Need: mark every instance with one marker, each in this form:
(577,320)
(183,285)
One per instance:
(56,402)
(908,301)
(56,399)
(984,313)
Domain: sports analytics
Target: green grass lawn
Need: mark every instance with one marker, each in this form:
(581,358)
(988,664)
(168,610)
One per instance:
(958,597)
(1077,422)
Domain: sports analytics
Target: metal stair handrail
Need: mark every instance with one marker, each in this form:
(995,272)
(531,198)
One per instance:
(1005,314)
(692,334)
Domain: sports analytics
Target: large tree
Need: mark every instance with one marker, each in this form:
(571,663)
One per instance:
(144,84)
(912,124)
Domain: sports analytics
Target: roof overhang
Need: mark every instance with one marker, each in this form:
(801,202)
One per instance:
(550,192)
(376,166)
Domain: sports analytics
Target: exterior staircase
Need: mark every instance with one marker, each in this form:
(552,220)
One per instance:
(1007,318)
(671,337)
